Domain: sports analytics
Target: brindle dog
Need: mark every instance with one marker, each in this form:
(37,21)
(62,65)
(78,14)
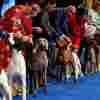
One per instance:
(69,59)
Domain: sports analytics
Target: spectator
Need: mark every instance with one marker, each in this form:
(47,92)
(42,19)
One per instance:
(83,15)
(38,28)
(74,27)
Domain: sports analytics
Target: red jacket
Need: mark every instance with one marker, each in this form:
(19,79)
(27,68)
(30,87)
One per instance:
(75,29)
(76,37)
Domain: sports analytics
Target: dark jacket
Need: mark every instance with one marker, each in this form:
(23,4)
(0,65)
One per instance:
(37,22)
(59,22)
(57,25)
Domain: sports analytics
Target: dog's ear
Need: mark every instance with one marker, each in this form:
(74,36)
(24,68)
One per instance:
(11,39)
(61,43)
(70,45)
(46,44)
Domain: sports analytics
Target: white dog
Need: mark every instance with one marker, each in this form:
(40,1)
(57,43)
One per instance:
(77,66)
(72,63)
(5,86)
(17,66)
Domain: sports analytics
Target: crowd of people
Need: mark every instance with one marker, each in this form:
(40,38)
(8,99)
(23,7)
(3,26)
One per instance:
(80,26)
(43,38)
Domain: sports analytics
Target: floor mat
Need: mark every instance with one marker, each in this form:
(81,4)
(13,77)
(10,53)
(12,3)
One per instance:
(87,88)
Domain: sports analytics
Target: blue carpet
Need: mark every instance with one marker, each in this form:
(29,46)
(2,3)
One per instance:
(88,88)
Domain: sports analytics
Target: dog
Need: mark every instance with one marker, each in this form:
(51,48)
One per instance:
(69,60)
(77,66)
(4,85)
(40,64)
(4,60)
(17,66)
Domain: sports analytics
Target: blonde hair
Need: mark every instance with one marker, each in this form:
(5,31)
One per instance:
(51,2)
(90,3)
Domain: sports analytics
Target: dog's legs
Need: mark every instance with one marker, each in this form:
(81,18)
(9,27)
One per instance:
(24,88)
(35,79)
(4,82)
(67,71)
(77,65)
(45,80)
(59,72)
(7,95)
(10,82)
(22,73)
(10,93)
(4,98)
(2,92)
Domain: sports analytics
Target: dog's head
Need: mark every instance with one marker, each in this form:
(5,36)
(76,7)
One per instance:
(42,43)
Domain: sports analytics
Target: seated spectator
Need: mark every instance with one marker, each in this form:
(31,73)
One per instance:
(38,28)
(74,27)
(58,22)
(94,22)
